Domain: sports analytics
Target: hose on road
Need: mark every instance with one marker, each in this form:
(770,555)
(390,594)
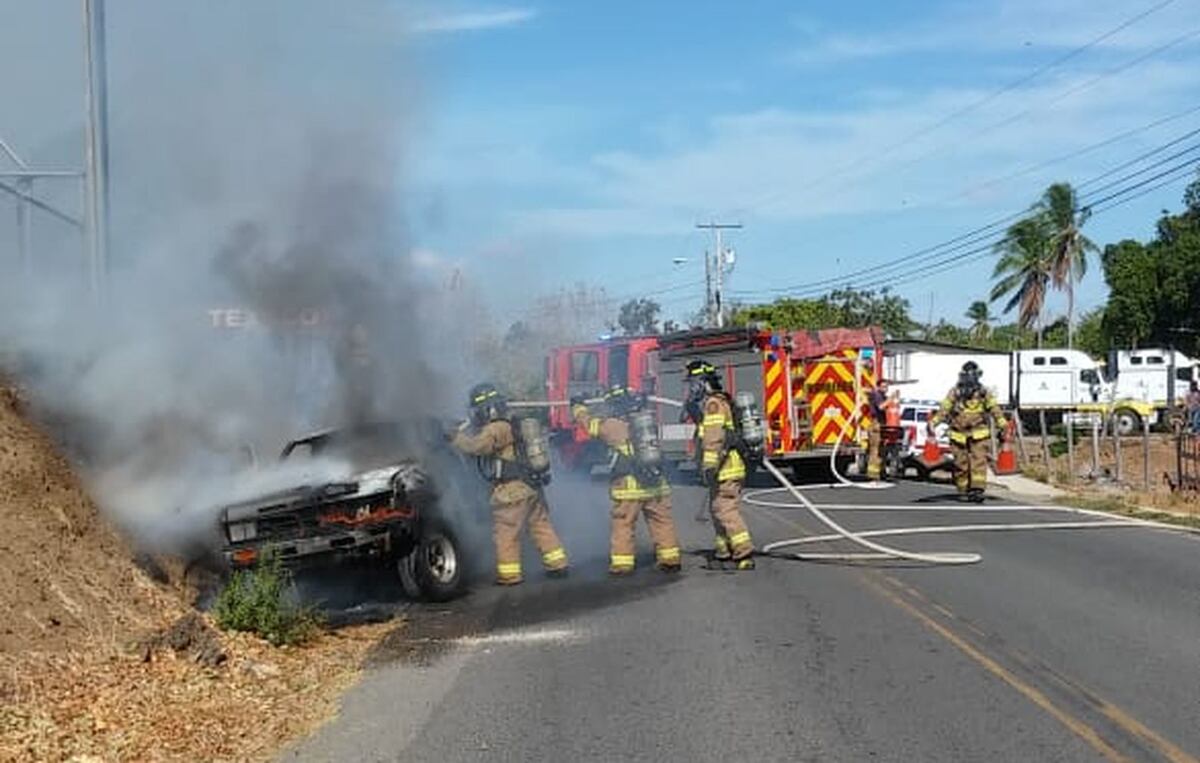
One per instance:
(879,551)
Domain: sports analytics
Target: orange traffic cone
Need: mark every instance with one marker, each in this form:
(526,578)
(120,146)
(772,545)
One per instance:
(1006,459)
(931,454)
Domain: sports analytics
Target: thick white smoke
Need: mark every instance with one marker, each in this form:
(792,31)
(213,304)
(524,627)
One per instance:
(260,280)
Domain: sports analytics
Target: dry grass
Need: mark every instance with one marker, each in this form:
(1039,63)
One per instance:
(107,703)
(1178,510)
(72,604)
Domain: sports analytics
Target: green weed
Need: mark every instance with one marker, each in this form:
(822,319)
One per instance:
(256,601)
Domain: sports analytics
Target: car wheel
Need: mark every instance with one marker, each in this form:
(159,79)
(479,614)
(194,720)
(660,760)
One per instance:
(437,564)
(1128,422)
(406,569)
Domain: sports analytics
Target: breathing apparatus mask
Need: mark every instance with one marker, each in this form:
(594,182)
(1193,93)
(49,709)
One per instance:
(486,404)
(701,379)
(968,378)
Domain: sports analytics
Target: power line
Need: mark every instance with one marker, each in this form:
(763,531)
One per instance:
(958,242)
(938,124)
(1147,168)
(1147,190)
(1141,157)
(1181,166)
(1089,83)
(1011,119)
(980,246)
(1075,154)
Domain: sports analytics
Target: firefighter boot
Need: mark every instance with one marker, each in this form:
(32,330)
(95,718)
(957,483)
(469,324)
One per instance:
(744,565)
(975,495)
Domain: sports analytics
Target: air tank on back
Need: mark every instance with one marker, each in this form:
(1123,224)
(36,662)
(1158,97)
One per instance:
(643,433)
(534,443)
(749,421)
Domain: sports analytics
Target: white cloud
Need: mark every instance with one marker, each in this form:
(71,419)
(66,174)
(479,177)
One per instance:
(792,164)
(474,21)
(1007,26)
(594,222)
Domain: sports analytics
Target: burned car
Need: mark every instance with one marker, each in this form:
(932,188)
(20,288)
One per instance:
(358,495)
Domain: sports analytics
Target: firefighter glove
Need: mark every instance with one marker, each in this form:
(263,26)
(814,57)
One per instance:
(709,477)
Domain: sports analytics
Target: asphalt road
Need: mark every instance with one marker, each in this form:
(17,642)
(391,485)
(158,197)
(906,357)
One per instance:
(1059,646)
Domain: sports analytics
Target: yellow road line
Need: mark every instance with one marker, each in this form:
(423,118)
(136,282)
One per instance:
(1133,726)
(1168,749)
(1127,722)
(1075,725)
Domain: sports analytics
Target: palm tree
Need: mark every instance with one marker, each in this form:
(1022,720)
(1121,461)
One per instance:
(1024,271)
(1067,246)
(980,315)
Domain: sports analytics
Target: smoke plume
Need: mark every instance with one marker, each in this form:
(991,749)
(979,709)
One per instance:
(260,282)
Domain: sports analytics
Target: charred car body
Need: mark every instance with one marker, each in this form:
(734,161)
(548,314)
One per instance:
(371,500)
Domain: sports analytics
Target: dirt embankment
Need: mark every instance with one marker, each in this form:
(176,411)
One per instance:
(81,674)
(66,579)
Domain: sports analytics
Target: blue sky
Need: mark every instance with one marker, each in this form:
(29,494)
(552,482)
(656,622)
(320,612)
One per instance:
(545,144)
(582,142)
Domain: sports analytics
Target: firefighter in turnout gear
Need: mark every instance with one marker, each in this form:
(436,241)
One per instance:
(722,467)
(876,403)
(639,487)
(517,495)
(966,409)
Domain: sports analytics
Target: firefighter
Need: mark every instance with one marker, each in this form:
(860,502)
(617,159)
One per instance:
(721,466)
(516,497)
(877,403)
(638,487)
(967,408)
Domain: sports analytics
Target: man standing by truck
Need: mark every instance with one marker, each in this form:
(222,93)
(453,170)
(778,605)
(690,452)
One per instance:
(721,466)
(877,401)
(967,408)
(517,497)
(639,486)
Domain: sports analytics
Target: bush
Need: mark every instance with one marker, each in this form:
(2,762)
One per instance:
(255,601)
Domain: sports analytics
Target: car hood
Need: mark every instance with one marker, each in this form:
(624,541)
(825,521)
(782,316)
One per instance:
(360,484)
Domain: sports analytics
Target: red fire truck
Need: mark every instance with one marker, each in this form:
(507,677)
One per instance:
(807,384)
(588,370)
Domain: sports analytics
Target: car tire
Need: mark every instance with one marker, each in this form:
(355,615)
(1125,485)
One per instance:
(406,570)
(437,564)
(1128,422)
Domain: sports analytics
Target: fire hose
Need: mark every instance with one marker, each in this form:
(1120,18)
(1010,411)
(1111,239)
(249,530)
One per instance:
(862,538)
(879,551)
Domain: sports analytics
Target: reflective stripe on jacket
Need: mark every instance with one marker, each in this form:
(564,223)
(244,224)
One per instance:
(715,432)
(968,414)
(615,434)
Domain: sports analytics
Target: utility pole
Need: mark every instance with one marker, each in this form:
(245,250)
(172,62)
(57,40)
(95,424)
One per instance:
(95,143)
(714,273)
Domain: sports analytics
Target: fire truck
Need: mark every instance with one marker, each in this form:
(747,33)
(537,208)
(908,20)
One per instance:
(807,384)
(587,370)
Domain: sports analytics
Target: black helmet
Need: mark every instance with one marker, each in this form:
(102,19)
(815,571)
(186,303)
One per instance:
(970,374)
(702,370)
(486,404)
(623,401)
